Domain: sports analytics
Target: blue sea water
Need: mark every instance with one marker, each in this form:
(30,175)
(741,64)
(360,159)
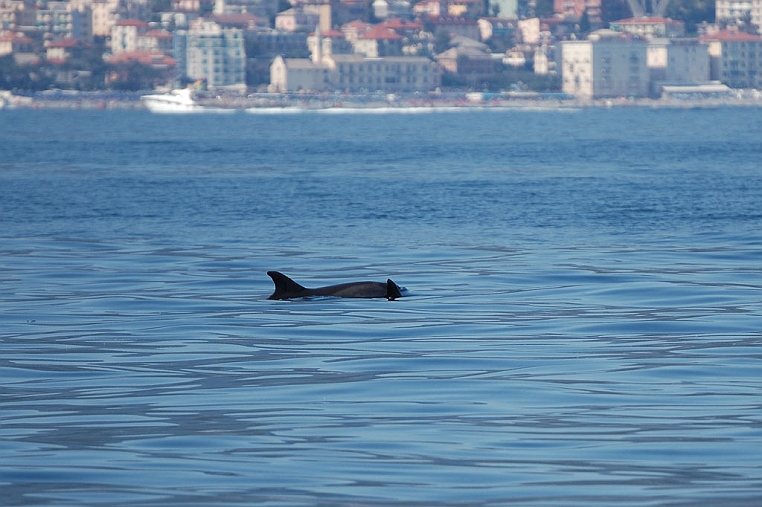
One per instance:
(582,324)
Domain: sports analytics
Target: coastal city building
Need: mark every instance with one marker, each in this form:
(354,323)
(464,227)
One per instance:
(379,45)
(677,62)
(63,50)
(19,46)
(610,64)
(577,8)
(455,25)
(378,41)
(606,65)
(105,13)
(739,12)
(260,8)
(65,20)
(467,58)
(325,71)
(18,15)
(125,34)
(156,40)
(296,19)
(735,58)
(215,55)
(649,27)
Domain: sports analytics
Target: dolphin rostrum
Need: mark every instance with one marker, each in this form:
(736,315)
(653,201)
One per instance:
(286,288)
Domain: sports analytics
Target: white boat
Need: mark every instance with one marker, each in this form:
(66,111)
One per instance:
(176,101)
(5,98)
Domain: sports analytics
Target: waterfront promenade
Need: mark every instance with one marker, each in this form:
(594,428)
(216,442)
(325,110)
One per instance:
(375,101)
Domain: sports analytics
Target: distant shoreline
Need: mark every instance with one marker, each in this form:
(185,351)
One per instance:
(376,102)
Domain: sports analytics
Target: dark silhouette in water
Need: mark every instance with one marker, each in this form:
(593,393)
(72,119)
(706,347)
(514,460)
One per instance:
(286,288)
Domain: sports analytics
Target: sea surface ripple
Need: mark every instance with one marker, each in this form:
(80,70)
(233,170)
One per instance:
(582,323)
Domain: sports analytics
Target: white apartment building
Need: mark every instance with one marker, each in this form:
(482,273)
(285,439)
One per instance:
(650,27)
(65,20)
(677,62)
(17,15)
(104,14)
(125,35)
(734,11)
(355,72)
(390,73)
(605,65)
(289,75)
(735,58)
(292,20)
(215,54)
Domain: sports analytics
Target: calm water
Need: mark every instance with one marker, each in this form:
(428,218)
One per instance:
(583,323)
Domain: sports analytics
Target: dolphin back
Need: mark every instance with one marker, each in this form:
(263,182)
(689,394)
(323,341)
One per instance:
(392,290)
(284,286)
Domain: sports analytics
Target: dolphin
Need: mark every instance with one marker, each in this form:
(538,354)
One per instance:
(286,288)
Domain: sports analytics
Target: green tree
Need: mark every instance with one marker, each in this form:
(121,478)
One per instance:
(92,60)
(584,23)
(22,77)
(614,10)
(509,78)
(441,42)
(134,76)
(543,8)
(692,12)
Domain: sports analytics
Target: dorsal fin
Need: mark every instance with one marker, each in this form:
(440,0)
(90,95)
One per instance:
(392,290)
(283,285)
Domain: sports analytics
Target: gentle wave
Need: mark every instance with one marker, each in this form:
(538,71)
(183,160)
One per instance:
(580,327)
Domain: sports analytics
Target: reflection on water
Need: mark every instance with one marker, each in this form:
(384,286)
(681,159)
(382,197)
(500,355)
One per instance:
(578,336)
